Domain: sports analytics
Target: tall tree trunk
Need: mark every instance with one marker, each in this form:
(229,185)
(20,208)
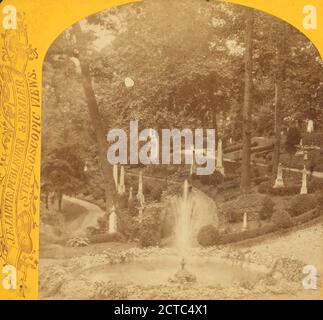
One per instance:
(278,128)
(215,123)
(247,108)
(59,200)
(47,200)
(279,91)
(95,117)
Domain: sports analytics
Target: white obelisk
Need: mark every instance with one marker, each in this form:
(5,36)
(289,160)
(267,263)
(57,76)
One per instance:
(219,158)
(140,194)
(304,181)
(141,213)
(113,221)
(310,126)
(193,157)
(279,183)
(245,222)
(122,187)
(130,193)
(115,175)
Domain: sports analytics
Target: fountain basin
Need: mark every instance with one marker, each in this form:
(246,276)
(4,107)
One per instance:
(155,270)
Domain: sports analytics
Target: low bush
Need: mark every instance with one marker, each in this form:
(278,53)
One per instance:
(234,216)
(157,191)
(282,219)
(319,201)
(78,242)
(106,237)
(122,200)
(255,172)
(151,228)
(301,203)
(128,224)
(267,209)
(315,185)
(216,178)
(315,138)
(267,188)
(260,180)
(228,186)
(306,217)
(238,147)
(248,234)
(208,236)
(103,222)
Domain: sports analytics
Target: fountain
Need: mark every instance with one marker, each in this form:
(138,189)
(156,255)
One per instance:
(183,233)
(113,221)
(122,187)
(182,265)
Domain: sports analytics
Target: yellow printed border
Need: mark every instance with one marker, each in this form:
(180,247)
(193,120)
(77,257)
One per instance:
(23,51)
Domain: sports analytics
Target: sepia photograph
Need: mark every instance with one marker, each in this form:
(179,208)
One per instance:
(182,156)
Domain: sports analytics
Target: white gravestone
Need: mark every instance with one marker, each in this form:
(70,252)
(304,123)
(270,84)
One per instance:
(279,183)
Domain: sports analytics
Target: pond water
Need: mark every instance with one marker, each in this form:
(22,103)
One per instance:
(158,270)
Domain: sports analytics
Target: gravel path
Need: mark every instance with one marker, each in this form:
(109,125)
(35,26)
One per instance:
(79,225)
(305,245)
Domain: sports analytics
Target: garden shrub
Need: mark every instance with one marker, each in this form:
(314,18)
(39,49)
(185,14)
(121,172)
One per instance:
(315,185)
(248,234)
(216,178)
(319,201)
(228,186)
(208,236)
(234,216)
(255,172)
(106,237)
(157,191)
(109,291)
(267,209)
(231,177)
(128,224)
(167,224)
(260,180)
(315,138)
(148,238)
(238,147)
(306,217)
(301,203)
(251,203)
(98,193)
(267,188)
(78,242)
(90,231)
(282,219)
(122,200)
(150,228)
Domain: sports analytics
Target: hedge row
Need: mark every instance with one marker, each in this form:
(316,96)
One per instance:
(248,234)
(306,217)
(267,188)
(254,233)
(237,147)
